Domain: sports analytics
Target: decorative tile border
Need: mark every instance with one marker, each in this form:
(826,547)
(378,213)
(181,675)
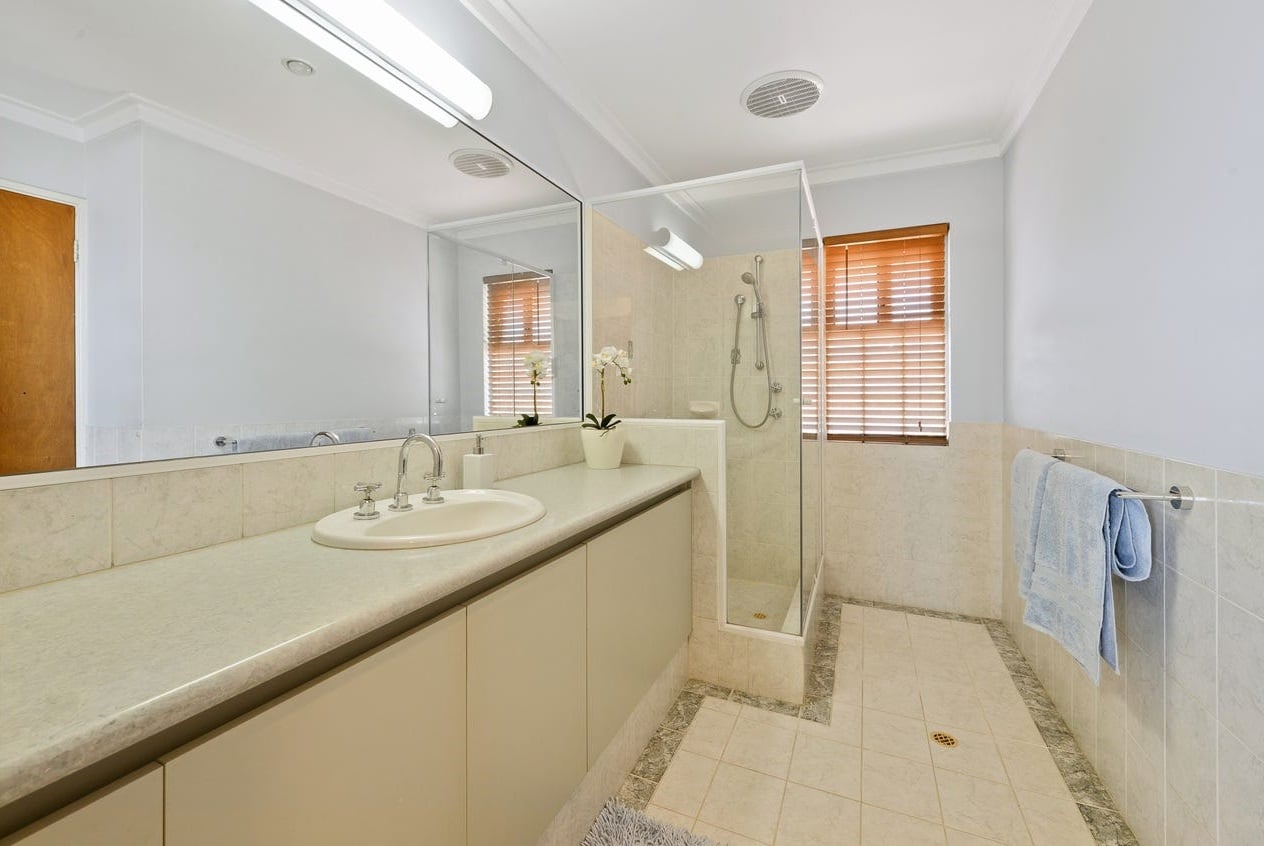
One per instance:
(1097,808)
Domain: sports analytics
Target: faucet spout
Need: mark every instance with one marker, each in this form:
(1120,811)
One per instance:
(433,495)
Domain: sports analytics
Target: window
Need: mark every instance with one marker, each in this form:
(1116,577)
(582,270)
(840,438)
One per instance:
(884,367)
(519,320)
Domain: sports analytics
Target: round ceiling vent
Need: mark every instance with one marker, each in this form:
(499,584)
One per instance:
(483,164)
(782,94)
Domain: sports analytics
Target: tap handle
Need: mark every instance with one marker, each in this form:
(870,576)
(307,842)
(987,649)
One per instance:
(368,508)
(367,488)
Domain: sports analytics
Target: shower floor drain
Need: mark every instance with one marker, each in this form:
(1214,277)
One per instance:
(943,738)
(760,615)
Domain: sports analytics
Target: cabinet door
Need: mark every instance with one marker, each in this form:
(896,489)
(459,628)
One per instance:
(526,702)
(639,611)
(127,813)
(373,752)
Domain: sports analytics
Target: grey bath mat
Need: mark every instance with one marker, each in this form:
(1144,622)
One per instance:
(618,825)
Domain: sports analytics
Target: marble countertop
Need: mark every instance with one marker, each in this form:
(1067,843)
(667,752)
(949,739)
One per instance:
(92,665)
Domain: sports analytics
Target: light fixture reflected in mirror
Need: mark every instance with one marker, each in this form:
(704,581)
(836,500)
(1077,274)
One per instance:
(673,251)
(390,51)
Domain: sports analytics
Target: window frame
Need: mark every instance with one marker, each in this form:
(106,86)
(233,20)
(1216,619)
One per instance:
(518,348)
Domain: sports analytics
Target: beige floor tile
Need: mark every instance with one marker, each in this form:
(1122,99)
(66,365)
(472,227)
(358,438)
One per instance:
(880,827)
(760,746)
(708,733)
(722,705)
(936,665)
(826,765)
(895,696)
(844,725)
(952,703)
(975,754)
(848,688)
(979,806)
(960,838)
(772,718)
(744,802)
(815,818)
(1032,768)
(661,814)
(899,785)
(1054,822)
(886,664)
(684,785)
(883,620)
(726,838)
(895,735)
(1011,721)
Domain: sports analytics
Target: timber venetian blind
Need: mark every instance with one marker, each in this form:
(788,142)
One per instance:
(884,366)
(519,320)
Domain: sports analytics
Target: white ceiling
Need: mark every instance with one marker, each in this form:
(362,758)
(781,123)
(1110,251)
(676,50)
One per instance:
(907,82)
(211,69)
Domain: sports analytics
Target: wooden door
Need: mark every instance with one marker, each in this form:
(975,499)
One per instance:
(37,334)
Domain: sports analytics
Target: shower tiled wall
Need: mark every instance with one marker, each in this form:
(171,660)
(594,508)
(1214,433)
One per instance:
(917,525)
(1178,735)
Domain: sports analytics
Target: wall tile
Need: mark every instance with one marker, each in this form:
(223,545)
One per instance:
(1240,539)
(165,513)
(1241,667)
(280,494)
(1189,537)
(1191,752)
(53,532)
(1241,786)
(1146,796)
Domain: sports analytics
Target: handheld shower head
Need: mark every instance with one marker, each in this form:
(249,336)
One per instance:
(748,278)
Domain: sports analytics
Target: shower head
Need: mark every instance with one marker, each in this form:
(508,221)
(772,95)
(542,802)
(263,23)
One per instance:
(748,278)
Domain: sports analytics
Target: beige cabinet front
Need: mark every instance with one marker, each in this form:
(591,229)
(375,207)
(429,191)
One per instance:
(127,813)
(373,752)
(639,611)
(527,735)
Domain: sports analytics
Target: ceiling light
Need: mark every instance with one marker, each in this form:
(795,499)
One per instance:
(298,67)
(400,42)
(327,36)
(673,251)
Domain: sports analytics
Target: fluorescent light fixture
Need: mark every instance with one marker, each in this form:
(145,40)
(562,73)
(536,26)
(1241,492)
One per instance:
(392,50)
(673,251)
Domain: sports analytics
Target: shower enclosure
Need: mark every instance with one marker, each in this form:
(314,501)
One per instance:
(712,310)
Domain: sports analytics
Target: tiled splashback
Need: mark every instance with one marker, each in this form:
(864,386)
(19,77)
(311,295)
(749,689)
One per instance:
(66,529)
(1178,736)
(917,525)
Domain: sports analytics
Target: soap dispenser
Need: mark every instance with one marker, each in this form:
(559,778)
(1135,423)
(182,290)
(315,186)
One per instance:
(479,468)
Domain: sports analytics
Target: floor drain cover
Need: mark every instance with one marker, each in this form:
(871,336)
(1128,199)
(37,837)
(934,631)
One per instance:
(760,615)
(944,739)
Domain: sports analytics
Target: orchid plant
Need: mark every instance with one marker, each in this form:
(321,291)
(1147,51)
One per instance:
(601,362)
(537,367)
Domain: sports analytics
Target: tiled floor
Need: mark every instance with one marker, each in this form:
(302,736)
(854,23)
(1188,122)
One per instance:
(747,600)
(745,771)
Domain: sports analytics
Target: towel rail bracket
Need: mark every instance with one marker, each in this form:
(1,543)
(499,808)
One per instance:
(1180,497)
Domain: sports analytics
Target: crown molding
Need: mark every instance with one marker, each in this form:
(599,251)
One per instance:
(503,21)
(41,119)
(1027,91)
(917,160)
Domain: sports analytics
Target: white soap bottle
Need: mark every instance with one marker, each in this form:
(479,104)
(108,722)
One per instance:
(479,468)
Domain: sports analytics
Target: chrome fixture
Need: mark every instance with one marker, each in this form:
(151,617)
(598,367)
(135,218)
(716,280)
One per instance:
(1180,497)
(329,436)
(432,496)
(759,313)
(368,508)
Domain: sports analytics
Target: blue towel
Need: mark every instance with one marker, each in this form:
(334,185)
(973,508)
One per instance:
(1027,491)
(1084,534)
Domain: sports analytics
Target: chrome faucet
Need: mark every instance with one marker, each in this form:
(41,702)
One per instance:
(432,496)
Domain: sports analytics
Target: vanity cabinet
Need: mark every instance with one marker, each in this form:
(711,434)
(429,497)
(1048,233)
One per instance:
(639,611)
(127,813)
(527,736)
(373,752)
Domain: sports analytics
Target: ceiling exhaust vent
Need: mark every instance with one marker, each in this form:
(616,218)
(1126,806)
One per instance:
(782,94)
(482,164)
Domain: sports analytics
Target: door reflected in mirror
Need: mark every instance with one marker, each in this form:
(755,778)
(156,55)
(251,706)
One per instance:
(202,257)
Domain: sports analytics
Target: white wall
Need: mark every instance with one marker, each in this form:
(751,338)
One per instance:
(970,198)
(1134,215)
(262,294)
(35,158)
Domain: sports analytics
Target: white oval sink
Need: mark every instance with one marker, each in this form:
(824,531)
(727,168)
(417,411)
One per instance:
(462,516)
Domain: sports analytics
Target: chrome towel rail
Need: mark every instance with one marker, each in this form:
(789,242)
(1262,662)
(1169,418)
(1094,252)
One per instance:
(1180,497)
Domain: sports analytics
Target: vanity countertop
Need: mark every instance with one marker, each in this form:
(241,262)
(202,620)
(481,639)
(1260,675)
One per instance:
(93,665)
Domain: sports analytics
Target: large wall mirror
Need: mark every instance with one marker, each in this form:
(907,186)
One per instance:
(217,238)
